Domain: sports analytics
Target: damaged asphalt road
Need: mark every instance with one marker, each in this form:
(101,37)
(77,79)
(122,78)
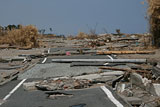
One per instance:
(94,97)
(66,76)
(15,95)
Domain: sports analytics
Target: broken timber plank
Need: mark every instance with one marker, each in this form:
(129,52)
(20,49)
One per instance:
(124,52)
(122,69)
(101,60)
(113,68)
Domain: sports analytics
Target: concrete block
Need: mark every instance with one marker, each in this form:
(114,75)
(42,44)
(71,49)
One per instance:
(153,88)
(133,100)
(89,77)
(30,86)
(123,89)
(137,79)
(120,88)
(112,73)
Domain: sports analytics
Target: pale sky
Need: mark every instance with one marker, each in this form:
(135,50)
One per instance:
(73,16)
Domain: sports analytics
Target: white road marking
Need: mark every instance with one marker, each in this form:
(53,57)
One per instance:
(110,58)
(13,90)
(49,50)
(111,97)
(106,64)
(44,60)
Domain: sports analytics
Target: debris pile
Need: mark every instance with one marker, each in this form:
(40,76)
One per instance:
(82,35)
(124,62)
(53,84)
(120,61)
(10,68)
(137,86)
(115,41)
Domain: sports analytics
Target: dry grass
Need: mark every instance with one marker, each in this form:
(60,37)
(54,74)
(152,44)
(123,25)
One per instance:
(49,36)
(154,13)
(82,35)
(26,36)
(70,37)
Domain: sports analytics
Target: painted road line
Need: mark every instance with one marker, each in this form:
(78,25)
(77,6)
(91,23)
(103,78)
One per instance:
(111,97)
(13,90)
(106,64)
(110,58)
(44,60)
(49,50)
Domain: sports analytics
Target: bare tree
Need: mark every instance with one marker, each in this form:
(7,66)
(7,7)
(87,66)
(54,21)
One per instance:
(105,30)
(92,31)
(50,29)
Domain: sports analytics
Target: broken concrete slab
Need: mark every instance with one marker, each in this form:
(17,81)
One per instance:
(101,60)
(112,73)
(11,67)
(32,56)
(63,84)
(134,101)
(156,71)
(17,58)
(89,77)
(138,80)
(153,88)
(120,87)
(124,89)
(104,79)
(30,86)
(144,83)
(94,64)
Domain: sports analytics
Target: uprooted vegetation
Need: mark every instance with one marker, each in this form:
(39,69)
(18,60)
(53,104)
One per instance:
(25,36)
(154,13)
(82,35)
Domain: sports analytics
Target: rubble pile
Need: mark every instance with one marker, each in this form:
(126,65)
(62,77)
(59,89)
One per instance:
(63,84)
(118,42)
(12,66)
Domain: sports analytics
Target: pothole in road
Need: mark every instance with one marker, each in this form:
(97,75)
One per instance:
(56,95)
(79,105)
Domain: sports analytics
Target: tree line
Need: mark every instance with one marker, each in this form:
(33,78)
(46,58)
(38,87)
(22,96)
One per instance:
(10,27)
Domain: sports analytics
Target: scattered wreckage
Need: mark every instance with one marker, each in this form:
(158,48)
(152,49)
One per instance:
(135,79)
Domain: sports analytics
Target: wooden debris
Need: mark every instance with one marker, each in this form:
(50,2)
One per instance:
(7,47)
(122,69)
(124,52)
